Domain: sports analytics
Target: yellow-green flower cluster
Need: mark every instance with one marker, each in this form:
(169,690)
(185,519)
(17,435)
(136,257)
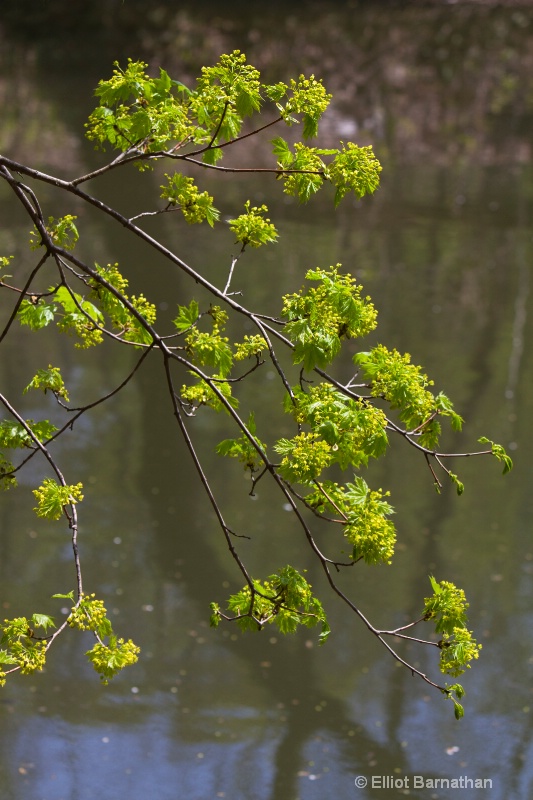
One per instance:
(250,346)
(304,457)
(354,429)
(110,659)
(326,314)
(457,650)
(30,655)
(373,535)
(88,615)
(201,394)
(52,498)
(253,227)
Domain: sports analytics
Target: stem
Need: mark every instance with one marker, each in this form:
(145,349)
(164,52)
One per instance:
(73,516)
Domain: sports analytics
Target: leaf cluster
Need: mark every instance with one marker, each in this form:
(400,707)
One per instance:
(22,648)
(253,228)
(284,599)
(107,659)
(354,169)
(404,386)
(53,498)
(364,516)
(243,449)
(110,294)
(304,170)
(196,206)
(14,434)
(62,232)
(202,394)
(49,380)
(447,608)
(137,111)
(7,478)
(85,317)
(148,117)
(354,429)
(75,315)
(304,457)
(321,317)
(498,451)
(211,349)
(4,264)
(309,98)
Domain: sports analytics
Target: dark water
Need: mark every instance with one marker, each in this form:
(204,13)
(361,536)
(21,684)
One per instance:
(445,250)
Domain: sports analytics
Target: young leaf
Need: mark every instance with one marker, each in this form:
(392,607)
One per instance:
(36,315)
(43,621)
(52,498)
(49,379)
(499,452)
(253,227)
(7,658)
(69,596)
(187,316)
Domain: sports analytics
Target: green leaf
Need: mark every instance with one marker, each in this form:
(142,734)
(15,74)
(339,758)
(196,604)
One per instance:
(320,318)
(52,498)
(215,618)
(243,449)
(324,634)
(7,658)
(43,621)
(72,303)
(14,435)
(359,491)
(195,206)
(458,484)
(247,103)
(210,349)
(49,379)
(7,479)
(69,596)
(253,227)
(62,231)
(354,169)
(163,83)
(35,315)
(201,394)
(187,316)
(105,628)
(282,151)
(458,709)
(212,155)
(499,452)
(445,407)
